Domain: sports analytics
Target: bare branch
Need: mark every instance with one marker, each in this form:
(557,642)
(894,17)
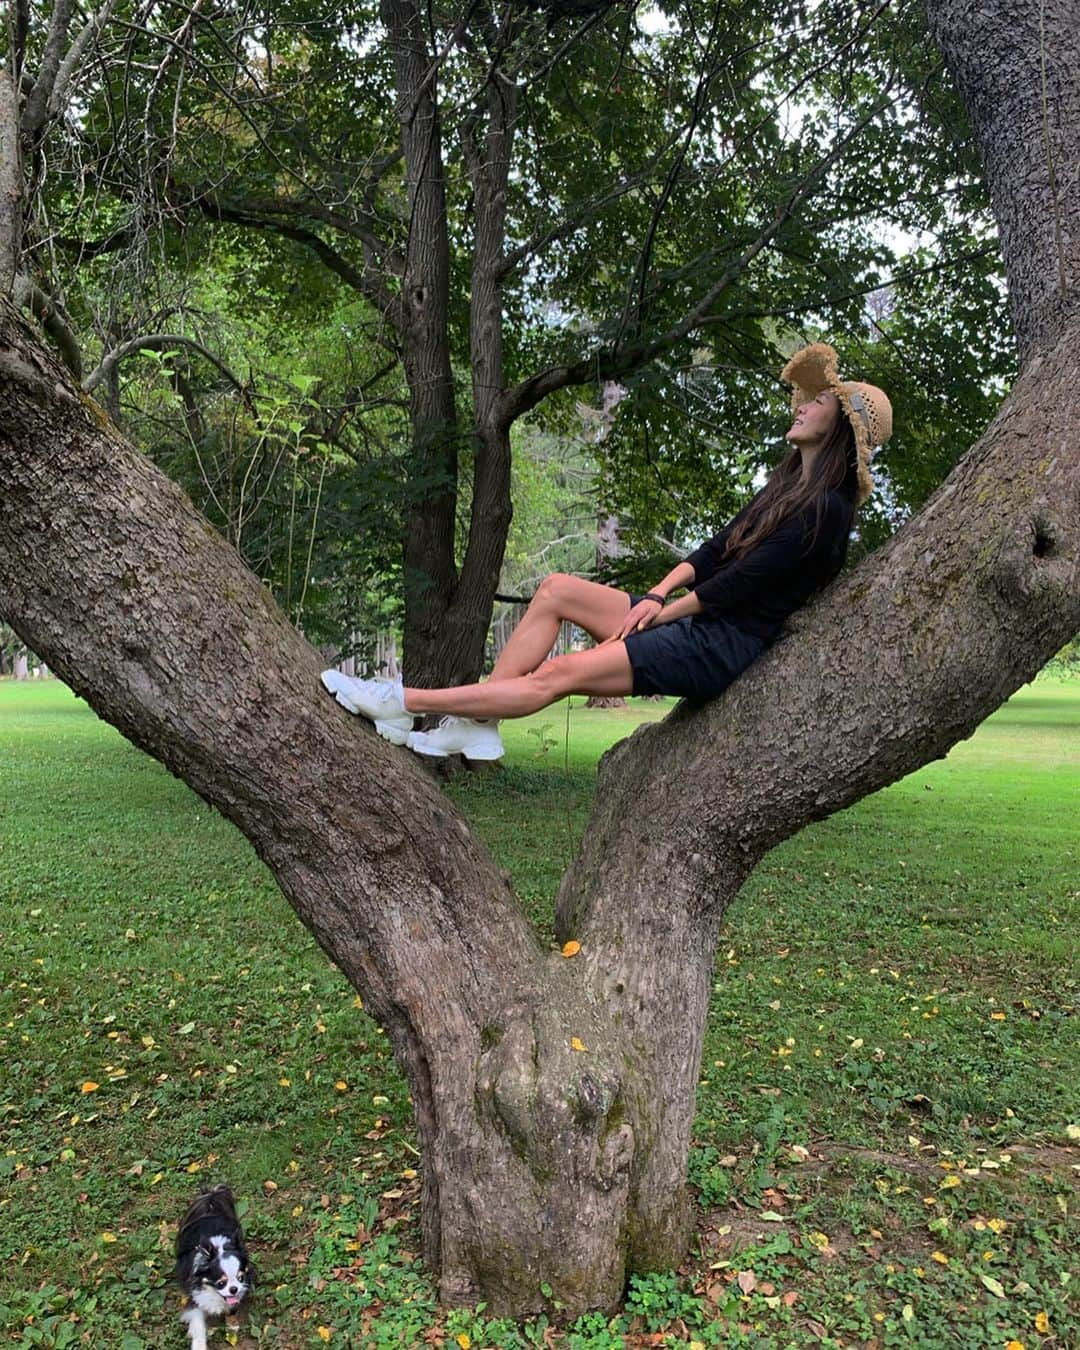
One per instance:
(50,315)
(157,342)
(19,17)
(366,282)
(823,302)
(93,248)
(67,67)
(309,209)
(37,105)
(10,182)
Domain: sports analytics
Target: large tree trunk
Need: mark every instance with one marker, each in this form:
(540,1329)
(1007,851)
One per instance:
(144,610)
(554,1096)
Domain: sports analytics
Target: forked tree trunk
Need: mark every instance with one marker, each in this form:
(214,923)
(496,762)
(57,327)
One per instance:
(554,1096)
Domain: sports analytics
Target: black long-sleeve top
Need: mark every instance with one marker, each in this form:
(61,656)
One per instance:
(758,592)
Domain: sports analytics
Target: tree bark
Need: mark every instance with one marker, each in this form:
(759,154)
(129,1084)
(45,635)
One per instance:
(430,573)
(145,611)
(554,1097)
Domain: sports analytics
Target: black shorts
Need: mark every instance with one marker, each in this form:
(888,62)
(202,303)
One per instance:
(695,657)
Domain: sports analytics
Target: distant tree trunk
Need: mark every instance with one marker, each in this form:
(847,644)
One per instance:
(554,1097)
(447,612)
(607,542)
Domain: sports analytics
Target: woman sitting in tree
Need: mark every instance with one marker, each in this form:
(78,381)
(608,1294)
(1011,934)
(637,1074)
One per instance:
(786,544)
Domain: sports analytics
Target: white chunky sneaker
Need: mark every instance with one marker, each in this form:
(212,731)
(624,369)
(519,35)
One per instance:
(380,701)
(459,736)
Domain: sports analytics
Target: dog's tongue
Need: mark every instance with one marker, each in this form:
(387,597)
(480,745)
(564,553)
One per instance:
(231,1302)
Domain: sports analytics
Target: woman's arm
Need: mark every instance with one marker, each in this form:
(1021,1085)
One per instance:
(647,612)
(679,609)
(681,575)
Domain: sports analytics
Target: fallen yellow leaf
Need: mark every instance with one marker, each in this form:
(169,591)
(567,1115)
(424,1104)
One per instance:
(108,1237)
(324,1333)
(463,1340)
(1014,1345)
(1042,1323)
(948,1182)
(571,949)
(89,1087)
(341,1085)
(940,1258)
(576,1044)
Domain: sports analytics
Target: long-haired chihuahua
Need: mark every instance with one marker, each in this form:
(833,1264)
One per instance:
(211,1262)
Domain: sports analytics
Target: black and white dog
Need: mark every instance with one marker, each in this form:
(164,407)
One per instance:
(211,1263)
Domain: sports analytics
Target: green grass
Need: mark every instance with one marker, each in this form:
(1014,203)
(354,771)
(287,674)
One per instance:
(895,1005)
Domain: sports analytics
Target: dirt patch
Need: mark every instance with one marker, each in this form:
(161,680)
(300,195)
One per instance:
(724,1233)
(1064,1162)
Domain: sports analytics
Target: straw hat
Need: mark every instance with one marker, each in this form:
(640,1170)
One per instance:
(867,407)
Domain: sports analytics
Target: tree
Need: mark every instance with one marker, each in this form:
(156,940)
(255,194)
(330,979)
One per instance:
(443,162)
(554,1095)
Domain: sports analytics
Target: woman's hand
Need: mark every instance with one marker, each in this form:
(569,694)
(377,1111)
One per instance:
(640,617)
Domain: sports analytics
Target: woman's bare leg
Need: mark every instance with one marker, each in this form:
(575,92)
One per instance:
(598,609)
(602,670)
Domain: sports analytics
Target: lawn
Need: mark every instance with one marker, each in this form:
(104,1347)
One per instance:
(887,1147)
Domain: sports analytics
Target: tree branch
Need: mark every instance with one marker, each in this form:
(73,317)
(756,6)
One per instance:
(70,62)
(51,317)
(35,111)
(11,194)
(157,342)
(611,363)
(364,281)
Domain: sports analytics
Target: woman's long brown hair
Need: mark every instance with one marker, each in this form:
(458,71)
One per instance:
(785,494)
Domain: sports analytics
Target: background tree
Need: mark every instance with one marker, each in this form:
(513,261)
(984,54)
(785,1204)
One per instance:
(554,1096)
(498,206)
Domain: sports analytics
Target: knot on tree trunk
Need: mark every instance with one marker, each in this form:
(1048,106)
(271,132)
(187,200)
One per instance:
(551,1083)
(1034,561)
(558,1096)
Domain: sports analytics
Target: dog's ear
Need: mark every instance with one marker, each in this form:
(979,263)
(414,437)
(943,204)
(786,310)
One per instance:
(202,1258)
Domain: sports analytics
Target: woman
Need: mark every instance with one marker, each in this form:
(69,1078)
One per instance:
(787,543)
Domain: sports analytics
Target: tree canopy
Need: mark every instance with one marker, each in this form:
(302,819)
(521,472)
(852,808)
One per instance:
(674,196)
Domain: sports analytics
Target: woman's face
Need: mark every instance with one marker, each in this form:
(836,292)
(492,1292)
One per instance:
(814,419)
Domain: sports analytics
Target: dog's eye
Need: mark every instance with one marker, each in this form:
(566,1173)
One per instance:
(223,1282)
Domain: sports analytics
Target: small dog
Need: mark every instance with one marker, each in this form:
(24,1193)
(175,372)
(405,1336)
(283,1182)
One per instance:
(211,1263)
